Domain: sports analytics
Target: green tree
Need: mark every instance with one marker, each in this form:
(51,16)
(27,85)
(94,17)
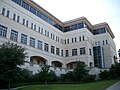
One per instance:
(80,71)
(11,55)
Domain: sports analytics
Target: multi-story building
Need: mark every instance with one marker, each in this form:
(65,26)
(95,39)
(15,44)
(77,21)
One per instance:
(52,42)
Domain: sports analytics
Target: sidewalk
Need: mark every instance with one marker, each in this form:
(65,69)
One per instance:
(115,86)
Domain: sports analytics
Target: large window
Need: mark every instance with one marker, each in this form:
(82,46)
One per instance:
(46,47)
(67,53)
(74,52)
(82,50)
(23,39)
(39,45)
(57,51)
(32,42)
(3,31)
(14,35)
(52,49)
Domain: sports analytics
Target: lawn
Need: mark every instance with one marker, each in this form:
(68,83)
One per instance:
(101,85)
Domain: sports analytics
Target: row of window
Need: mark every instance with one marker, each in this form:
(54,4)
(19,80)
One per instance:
(99,31)
(103,42)
(14,37)
(33,26)
(81,38)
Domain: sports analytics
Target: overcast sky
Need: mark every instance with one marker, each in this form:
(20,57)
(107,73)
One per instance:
(96,11)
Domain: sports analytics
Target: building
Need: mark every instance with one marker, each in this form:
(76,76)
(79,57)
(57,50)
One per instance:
(52,42)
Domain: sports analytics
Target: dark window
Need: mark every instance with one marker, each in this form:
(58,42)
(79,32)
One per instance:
(83,38)
(23,22)
(52,49)
(39,29)
(90,52)
(103,42)
(14,35)
(34,27)
(3,31)
(74,52)
(72,40)
(33,10)
(82,50)
(14,16)
(57,51)
(25,5)
(31,25)
(18,18)
(68,41)
(27,23)
(8,13)
(62,53)
(32,42)
(3,11)
(23,39)
(80,38)
(46,47)
(67,53)
(65,41)
(39,45)
(106,41)
(75,39)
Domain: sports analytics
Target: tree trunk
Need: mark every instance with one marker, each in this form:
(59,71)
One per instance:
(9,84)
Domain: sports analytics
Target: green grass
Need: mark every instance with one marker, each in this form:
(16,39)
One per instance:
(101,85)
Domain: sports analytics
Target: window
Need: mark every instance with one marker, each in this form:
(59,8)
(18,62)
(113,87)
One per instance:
(52,49)
(75,39)
(27,23)
(31,25)
(3,11)
(74,52)
(32,42)
(106,41)
(14,16)
(98,42)
(103,42)
(14,35)
(23,39)
(80,38)
(68,41)
(46,47)
(25,5)
(57,51)
(90,52)
(82,50)
(51,35)
(3,31)
(65,41)
(56,38)
(47,34)
(72,40)
(62,53)
(23,22)
(34,27)
(33,10)
(39,45)
(83,38)
(8,13)
(18,19)
(39,29)
(67,53)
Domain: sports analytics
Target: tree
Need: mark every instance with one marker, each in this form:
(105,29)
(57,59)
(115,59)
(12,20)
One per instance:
(80,71)
(11,55)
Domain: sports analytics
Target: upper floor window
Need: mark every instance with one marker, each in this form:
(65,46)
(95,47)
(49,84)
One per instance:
(31,25)
(32,42)
(74,52)
(90,52)
(57,51)
(14,16)
(62,53)
(39,44)
(18,19)
(3,31)
(47,34)
(82,50)
(8,13)
(3,11)
(83,38)
(106,41)
(27,23)
(23,22)
(52,49)
(75,39)
(68,41)
(46,47)
(23,39)
(14,35)
(67,53)
(80,38)
(39,29)
(33,10)
(34,27)
(25,5)
(65,41)
(72,40)
(103,42)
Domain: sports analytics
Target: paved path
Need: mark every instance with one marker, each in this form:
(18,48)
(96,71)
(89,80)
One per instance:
(115,86)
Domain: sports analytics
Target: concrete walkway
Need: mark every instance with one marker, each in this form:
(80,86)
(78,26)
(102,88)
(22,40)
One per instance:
(115,86)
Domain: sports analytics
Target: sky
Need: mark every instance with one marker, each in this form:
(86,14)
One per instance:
(96,11)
